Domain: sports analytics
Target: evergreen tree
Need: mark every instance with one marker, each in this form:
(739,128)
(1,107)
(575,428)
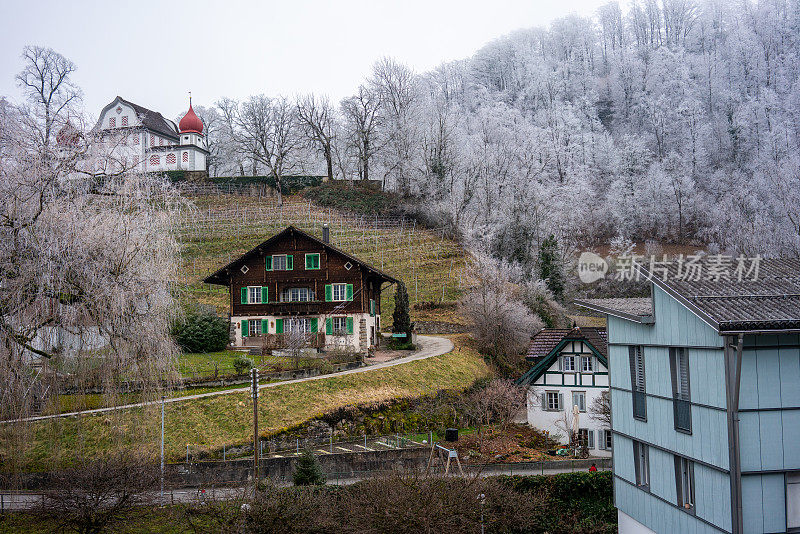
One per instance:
(308,471)
(550,267)
(401,317)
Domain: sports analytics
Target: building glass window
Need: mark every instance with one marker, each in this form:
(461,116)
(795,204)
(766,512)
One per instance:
(608,440)
(586,438)
(792,501)
(155,160)
(112,122)
(684,477)
(298,294)
(636,357)
(124,120)
(281,262)
(681,402)
(254,327)
(579,400)
(568,364)
(254,294)
(185,157)
(339,325)
(171,159)
(641,458)
(552,401)
(136,139)
(340,292)
(586,364)
(297,326)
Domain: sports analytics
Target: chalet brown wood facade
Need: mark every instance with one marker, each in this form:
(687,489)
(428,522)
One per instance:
(295,282)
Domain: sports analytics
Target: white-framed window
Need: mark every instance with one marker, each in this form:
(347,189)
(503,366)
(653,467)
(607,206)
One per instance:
(254,327)
(579,400)
(587,365)
(641,459)
(298,294)
(552,401)
(297,325)
(339,325)
(339,292)
(568,364)
(279,262)
(254,294)
(684,478)
(607,439)
(586,438)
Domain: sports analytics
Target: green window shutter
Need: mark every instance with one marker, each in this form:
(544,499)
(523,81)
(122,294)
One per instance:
(245,331)
(244,295)
(279,326)
(264,326)
(289,262)
(309,262)
(328,292)
(316,261)
(349,292)
(314,325)
(349,325)
(264,294)
(268,263)
(329,326)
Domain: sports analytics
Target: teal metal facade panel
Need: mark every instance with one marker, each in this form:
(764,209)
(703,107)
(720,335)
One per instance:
(623,458)
(789,360)
(773,491)
(619,366)
(707,377)
(790,423)
(768,377)
(770,425)
(712,493)
(656,514)
(752,504)
(750,441)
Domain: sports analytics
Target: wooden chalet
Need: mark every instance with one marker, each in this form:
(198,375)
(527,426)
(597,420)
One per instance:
(296,289)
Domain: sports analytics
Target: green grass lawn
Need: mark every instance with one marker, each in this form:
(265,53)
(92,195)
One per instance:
(212,364)
(208,424)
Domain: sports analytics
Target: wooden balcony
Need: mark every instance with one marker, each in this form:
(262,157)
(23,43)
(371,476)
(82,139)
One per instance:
(281,341)
(310,307)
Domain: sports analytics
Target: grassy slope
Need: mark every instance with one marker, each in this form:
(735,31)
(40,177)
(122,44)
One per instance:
(208,424)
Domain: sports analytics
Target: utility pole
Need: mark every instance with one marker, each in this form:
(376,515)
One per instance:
(162,450)
(254,385)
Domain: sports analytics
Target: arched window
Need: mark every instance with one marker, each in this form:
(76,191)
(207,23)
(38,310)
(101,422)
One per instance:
(112,122)
(171,159)
(155,160)
(185,157)
(124,120)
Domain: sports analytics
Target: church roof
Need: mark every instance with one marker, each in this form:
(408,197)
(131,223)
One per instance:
(191,122)
(152,120)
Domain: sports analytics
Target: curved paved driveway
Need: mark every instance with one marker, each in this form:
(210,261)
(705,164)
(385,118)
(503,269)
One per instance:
(429,347)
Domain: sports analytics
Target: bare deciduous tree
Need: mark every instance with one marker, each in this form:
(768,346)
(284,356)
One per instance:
(316,115)
(361,122)
(600,409)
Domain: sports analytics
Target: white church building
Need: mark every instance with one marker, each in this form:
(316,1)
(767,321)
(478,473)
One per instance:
(570,368)
(144,139)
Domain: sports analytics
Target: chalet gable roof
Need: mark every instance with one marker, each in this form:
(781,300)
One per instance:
(223,275)
(552,340)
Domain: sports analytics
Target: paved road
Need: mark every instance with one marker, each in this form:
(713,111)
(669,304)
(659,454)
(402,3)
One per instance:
(429,347)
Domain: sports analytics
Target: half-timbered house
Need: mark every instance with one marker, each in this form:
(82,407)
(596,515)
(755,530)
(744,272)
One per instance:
(296,288)
(570,368)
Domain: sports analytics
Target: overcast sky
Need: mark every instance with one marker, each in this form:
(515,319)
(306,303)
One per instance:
(153,53)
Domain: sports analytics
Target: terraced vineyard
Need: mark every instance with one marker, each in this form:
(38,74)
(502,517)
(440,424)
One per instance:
(219,228)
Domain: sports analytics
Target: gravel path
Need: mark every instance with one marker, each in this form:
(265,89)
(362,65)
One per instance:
(429,346)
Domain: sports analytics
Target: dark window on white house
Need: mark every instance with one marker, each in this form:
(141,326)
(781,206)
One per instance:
(636,356)
(587,364)
(641,458)
(339,325)
(568,364)
(552,401)
(684,482)
(579,400)
(682,408)
(586,438)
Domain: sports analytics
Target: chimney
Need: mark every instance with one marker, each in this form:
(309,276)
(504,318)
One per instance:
(326,234)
